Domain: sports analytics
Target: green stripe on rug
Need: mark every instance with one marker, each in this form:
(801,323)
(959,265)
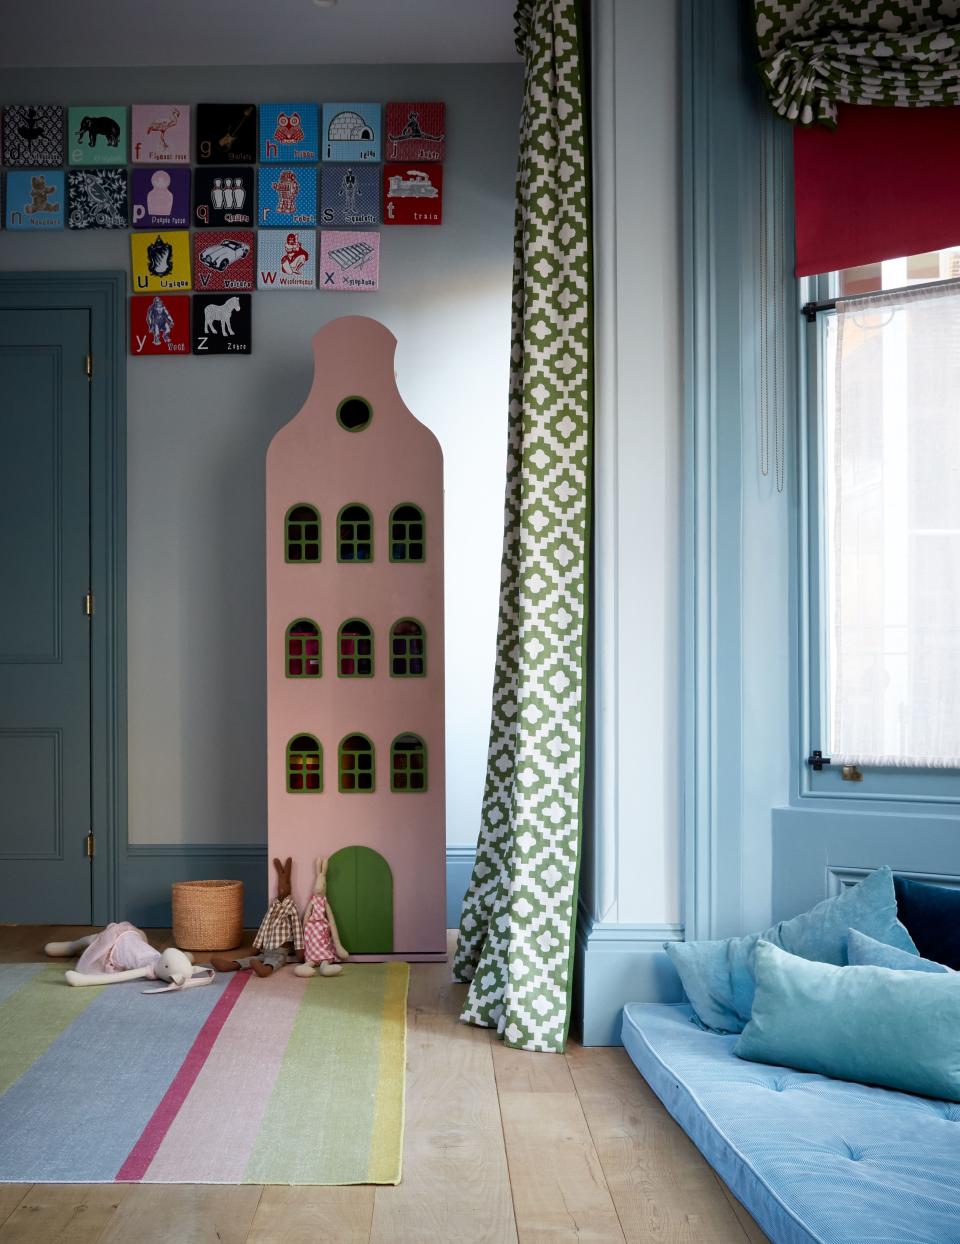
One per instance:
(34,1016)
(336,1112)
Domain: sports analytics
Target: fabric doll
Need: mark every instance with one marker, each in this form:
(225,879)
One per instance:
(323,949)
(121,952)
(280,936)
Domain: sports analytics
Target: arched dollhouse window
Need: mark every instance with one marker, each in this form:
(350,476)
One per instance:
(354,534)
(408,764)
(303,649)
(357,774)
(407,534)
(408,649)
(355,649)
(304,765)
(302,534)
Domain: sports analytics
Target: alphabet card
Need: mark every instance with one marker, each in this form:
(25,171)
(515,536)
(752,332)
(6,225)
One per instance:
(416,132)
(349,261)
(32,135)
(35,200)
(226,133)
(288,134)
(223,197)
(412,194)
(222,324)
(97,198)
(160,324)
(351,133)
(97,135)
(286,196)
(160,198)
(286,259)
(223,259)
(161,261)
(349,195)
(160,134)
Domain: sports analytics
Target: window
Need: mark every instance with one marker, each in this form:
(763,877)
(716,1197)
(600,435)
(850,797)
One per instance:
(302,534)
(354,414)
(408,649)
(304,765)
(357,771)
(355,649)
(885,523)
(354,534)
(408,764)
(407,534)
(303,649)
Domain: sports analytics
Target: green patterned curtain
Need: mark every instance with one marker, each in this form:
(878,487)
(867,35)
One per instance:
(517,927)
(816,54)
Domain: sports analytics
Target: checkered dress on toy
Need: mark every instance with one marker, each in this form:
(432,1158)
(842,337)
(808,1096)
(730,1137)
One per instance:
(317,936)
(280,927)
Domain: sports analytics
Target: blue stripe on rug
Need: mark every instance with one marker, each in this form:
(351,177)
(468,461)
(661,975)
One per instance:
(16,975)
(75,1115)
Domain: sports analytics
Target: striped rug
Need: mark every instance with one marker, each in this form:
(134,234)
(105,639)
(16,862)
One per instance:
(275,1081)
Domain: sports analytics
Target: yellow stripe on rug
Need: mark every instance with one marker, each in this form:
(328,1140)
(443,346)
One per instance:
(385,1152)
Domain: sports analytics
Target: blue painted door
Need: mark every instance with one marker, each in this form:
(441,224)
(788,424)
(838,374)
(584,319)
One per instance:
(45,754)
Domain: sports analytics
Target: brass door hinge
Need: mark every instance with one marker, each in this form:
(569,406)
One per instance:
(90,845)
(89,366)
(88,604)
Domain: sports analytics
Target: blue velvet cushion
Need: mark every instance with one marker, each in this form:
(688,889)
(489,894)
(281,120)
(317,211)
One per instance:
(932,914)
(863,951)
(873,1025)
(718,975)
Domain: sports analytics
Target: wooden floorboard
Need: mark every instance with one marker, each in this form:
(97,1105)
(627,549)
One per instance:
(501,1147)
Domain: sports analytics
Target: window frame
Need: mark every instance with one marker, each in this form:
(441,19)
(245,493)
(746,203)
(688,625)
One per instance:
(355,561)
(407,561)
(356,734)
(302,561)
(318,751)
(391,655)
(373,648)
(421,750)
(287,636)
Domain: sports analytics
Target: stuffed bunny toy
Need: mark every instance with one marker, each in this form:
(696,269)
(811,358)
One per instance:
(121,952)
(280,936)
(323,949)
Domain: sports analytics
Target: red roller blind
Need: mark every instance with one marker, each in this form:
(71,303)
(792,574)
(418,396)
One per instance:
(884,183)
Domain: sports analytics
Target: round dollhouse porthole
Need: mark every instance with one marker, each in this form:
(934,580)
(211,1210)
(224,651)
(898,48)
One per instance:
(354,414)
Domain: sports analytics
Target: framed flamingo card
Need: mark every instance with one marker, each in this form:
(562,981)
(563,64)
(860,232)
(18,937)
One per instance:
(286,196)
(35,199)
(223,197)
(286,259)
(226,133)
(32,135)
(416,132)
(412,194)
(97,135)
(161,260)
(349,261)
(97,198)
(160,134)
(350,195)
(224,259)
(288,133)
(160,198)
(222,324)
(351,132)
(160,324)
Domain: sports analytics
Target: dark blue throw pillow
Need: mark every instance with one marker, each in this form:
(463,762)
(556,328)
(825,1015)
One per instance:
(931,914)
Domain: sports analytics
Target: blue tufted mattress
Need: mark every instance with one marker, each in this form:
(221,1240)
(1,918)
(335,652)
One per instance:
(812,1159)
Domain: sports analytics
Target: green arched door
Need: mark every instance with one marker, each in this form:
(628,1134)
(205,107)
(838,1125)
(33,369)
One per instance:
(360,893)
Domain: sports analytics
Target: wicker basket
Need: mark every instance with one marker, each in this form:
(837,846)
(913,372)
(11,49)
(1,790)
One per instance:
(207,915)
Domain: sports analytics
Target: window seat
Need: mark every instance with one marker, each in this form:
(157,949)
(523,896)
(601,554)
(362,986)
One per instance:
(814,1160)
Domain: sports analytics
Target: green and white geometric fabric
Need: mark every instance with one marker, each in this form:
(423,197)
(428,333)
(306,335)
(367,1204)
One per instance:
(818,53)
(518,921)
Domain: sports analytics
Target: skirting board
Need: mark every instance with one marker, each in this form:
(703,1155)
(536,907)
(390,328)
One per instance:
(617,964)
(150,869)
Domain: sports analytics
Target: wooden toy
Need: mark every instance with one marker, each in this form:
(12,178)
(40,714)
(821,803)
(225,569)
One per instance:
(355,688)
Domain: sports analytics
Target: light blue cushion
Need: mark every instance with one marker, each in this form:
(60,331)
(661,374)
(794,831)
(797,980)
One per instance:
(863,951)
(872,1025)
(718,976)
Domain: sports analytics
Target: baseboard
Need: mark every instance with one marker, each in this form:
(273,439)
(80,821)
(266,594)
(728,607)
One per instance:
(616,964)
(151,868)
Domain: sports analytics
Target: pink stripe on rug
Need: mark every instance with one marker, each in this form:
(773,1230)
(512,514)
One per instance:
(214,1134)
(143,1152)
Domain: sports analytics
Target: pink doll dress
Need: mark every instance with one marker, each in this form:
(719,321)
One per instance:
(317,937)
(118,948)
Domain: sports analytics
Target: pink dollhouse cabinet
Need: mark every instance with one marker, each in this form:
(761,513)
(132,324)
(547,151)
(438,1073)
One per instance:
(355,711)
